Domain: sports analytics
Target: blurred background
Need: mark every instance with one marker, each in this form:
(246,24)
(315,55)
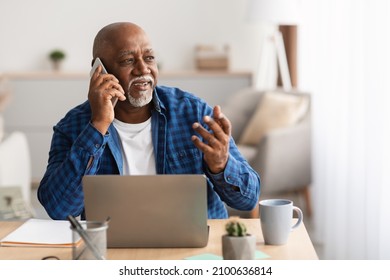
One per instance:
(338,53)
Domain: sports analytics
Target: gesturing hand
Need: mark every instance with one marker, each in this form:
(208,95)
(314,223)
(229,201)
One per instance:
(216,145)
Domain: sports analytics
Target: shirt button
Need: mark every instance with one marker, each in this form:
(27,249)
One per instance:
(97,146)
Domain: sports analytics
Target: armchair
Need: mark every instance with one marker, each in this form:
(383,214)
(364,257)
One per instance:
(15,177)
(272,131)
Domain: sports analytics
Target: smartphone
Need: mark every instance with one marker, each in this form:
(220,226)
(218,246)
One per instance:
(95,65)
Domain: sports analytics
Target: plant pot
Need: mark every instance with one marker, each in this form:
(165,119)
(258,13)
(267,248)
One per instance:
(238,248)
(57,64)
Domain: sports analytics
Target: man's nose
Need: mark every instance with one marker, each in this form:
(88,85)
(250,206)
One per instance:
(142,68)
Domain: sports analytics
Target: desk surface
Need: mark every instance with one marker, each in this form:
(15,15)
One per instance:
(299,246)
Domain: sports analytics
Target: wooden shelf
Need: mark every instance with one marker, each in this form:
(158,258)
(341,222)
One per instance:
(85,75)
(43,75)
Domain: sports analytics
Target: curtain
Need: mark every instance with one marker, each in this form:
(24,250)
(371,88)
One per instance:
(344,58)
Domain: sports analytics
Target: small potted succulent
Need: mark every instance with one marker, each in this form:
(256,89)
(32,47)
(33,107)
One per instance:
(237,244)
(56,57)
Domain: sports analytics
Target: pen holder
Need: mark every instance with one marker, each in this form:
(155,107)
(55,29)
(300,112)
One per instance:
(96,247)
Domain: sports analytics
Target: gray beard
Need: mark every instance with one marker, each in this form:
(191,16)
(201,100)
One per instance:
(145,99)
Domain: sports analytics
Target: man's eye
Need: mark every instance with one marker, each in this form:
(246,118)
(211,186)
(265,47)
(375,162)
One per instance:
(149,58)
(128,61)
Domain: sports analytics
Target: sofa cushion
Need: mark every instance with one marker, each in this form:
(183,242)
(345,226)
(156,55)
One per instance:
(275,110)
(248,152)
(239,108)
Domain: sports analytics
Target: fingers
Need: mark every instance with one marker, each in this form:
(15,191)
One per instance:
(206,135)
(216,140)
(217,112)
(218,131)
(98,70)
(106,85)
(112,93)
(200,145)
(222,120)
(105,80)
(220,126)
(215,144)
(113,89)
(215,151)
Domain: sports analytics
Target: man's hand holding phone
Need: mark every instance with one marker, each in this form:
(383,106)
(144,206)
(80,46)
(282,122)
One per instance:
(104,91)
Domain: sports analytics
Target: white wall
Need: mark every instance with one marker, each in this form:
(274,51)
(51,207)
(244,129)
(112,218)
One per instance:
(30,29)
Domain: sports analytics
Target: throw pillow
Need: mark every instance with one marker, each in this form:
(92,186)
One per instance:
(275,110)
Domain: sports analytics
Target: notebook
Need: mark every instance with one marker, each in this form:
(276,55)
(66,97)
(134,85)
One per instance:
(153,211)
(40,233)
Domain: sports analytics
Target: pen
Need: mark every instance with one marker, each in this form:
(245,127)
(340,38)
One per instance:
(76,225)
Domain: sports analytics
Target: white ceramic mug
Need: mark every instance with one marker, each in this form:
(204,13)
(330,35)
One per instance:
(276,218)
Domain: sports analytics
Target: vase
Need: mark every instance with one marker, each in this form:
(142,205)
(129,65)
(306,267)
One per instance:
(56,65)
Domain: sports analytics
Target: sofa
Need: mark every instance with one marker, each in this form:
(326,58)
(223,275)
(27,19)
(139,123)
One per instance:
(272,131)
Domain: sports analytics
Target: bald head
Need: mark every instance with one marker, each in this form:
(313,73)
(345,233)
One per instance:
(110,32)
(126,53)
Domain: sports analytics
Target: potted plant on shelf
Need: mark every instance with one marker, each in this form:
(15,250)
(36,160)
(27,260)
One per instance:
(56,57)
(237,244)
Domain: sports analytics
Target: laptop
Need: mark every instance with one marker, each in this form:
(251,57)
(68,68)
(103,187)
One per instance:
(149,211)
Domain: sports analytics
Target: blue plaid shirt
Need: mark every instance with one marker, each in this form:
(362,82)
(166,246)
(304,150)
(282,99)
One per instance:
(78,149)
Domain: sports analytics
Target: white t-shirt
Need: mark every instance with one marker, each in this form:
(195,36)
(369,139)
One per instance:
(137,147)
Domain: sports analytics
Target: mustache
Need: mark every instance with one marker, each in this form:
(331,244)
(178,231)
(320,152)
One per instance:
(145,78)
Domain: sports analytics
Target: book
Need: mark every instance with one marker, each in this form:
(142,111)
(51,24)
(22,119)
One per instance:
(40,233)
